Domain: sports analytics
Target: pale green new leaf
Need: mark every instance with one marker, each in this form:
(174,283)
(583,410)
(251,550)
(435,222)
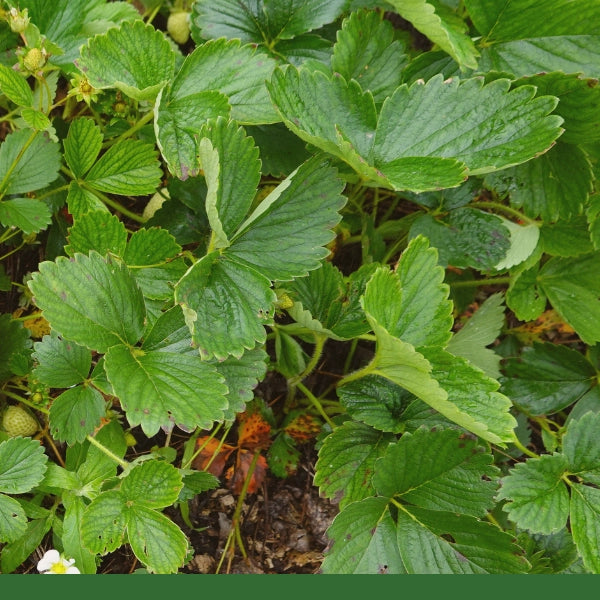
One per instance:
(438,470)
(437,542)
(554,186)
(156,541)
(231,168)
(226,305)
(103,523)
(61,364)
(97,230)
(22,465)
(149,247)
(15,87)
(442,27)
(572,286)
(585,523)
(346,462)
(366,51)
(82,145)
(487,127)
(161,389)
(153,484)
(91,300)
(363,540)
(134,58)
(13,521)
(523,242)
(29,161)
(36,119)
(76,413)
(27,214)
(285,236)
(537,496)
(481,330)
(130,167)
(412,302)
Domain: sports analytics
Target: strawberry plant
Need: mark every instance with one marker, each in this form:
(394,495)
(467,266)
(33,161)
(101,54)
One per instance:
(197,198)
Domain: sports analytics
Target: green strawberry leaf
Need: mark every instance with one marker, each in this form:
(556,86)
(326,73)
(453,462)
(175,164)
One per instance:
(153,484)
(225,305)
(134,58)
(524,296)
(22,465)
(15,87)
(60,363)
(286,234)
(547,378)
(441,26)
(29,161)
(27,214)
(151,246)
(438,470)
(581,448)
(481,330)
(231,167)
(15,339)
(81,201)
(538,499)
(71,538)
(13,521)
(160,389)
(367,52)
(82,146)
(553,186)
(568,237)
(91,300)
(103,523)
(130,167)
(585,516)
(261,22)
(346,461)
(76,413)
(97,230)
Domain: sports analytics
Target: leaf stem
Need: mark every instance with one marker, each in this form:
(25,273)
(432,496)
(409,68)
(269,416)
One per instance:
(523,448)
(133,129)
(483,281)
(505,209)
(315,402)
(123,463)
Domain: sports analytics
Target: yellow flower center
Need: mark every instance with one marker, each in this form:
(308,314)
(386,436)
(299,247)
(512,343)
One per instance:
(59,568)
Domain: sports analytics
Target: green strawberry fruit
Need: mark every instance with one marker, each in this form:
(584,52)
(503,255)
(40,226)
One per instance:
(18,421)
(178,26)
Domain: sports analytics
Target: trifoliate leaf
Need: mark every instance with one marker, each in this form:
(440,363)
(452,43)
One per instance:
(149,247)
(441,26)
(97,230)
(22,465)
(481,330)
(15,87)
(367,52)
(27,214)
(585,516)
(538,499)
(155,540)
(226,305)
(91,300)
(29,161)
(134,58)
(346,462)
(285,235)
(161,389)
(130,167)
(241,375)
(438,542)
(554,186)
(61,364)
(231,168)
(465,237)
(363,540)
(82,146)
(153,484)
(76,413)
(264,21)
(547,378)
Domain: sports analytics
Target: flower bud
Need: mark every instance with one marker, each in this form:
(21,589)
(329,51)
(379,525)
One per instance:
(18,20)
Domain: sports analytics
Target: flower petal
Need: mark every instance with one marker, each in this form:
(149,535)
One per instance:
(50,558)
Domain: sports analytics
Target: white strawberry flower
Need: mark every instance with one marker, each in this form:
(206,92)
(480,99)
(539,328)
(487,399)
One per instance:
(53,563)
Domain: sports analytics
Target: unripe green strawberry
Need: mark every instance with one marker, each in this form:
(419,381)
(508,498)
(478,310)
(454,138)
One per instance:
(178,26)
(34,60)
(17,421)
